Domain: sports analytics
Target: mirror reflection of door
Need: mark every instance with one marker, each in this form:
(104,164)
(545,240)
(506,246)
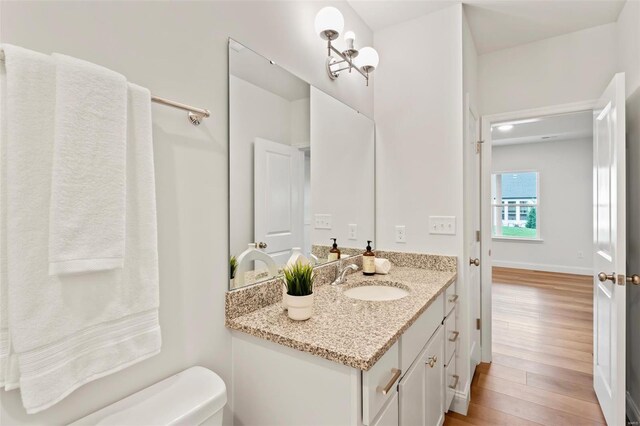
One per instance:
(278,198)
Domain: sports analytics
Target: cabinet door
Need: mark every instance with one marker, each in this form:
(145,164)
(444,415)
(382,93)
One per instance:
(412,397)
(434,379)
(389,416)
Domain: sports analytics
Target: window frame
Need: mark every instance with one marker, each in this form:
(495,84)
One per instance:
(517,205)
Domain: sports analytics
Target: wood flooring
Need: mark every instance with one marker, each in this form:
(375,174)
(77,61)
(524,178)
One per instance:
(542,354)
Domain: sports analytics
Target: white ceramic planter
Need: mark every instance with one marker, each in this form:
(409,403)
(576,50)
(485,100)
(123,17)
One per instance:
(300,308)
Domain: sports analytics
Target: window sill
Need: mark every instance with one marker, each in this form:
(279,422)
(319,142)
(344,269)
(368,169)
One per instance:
(518,239)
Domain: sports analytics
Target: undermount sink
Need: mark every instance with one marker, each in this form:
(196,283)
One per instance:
(376,292)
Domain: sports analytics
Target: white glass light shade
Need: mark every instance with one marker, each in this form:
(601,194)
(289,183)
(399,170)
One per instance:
(329,23)
(350,37)
(367,59)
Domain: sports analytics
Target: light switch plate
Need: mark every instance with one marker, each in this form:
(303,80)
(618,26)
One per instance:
(401,234)
(322,221)
(353,231)
(442,225)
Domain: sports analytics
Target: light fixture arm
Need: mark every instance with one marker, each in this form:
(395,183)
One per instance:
(345,59)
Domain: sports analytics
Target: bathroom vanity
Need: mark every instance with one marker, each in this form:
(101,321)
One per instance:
(355,362)
(378,350)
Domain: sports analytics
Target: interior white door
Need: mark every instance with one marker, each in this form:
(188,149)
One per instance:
(609,247)
(472,154)
(278,198)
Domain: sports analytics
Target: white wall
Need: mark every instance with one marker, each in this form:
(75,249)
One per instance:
(418,115)
(568,68)
(565,212)
(179,51)
(419,138)
(629,62)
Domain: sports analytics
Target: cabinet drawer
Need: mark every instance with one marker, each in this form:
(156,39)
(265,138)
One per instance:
(389,415)
(413,340)
(450,299)
(379,383)
(451,382)
(451,336)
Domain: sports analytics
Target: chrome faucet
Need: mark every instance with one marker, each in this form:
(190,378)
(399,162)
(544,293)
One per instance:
(341,273)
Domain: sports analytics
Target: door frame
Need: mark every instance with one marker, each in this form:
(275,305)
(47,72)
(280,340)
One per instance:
(485,204)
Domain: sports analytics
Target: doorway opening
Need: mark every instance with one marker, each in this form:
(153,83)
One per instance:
(537,208)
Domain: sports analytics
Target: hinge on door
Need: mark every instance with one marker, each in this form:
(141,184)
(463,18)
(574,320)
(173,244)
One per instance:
(479,146)
(478,236)
(478,323)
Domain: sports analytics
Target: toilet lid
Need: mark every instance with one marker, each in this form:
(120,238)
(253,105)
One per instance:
(187,398)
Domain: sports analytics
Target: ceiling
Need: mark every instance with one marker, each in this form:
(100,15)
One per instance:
(499,24)
(553,128)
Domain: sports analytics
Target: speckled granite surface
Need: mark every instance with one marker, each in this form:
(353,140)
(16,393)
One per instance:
(244,300)
(419,260)
(351,332)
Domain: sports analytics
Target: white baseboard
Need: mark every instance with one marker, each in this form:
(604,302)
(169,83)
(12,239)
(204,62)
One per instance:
(542,267)
(633,412)
(460,403)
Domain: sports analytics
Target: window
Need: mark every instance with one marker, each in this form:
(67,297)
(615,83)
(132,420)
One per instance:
(515,205)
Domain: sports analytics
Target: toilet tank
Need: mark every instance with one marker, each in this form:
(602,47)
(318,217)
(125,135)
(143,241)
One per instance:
(191,397)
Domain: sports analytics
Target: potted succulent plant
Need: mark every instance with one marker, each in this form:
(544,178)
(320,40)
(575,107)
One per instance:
(298,280)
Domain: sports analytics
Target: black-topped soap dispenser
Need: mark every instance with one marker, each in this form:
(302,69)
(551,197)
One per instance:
(334,253)
(369,261)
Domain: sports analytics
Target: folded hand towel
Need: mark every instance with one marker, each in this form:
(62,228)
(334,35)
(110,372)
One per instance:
(383,266)
(87,212)
(68,330)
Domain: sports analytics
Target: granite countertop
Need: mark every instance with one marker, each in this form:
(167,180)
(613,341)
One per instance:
(348,331)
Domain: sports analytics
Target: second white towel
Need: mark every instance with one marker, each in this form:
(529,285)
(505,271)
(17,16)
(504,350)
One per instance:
(383,266)
(87,212)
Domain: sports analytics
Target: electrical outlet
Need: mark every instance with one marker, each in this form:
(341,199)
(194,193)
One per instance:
(401,234)
(580,255)
(353,231)
(442,225)
(322,221)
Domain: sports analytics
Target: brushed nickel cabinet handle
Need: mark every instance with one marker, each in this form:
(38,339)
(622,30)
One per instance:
(474,262)
(633,279)
(456,378)
(454,336)
(454,298)
(396,375)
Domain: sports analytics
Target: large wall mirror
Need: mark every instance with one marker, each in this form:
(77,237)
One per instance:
(301,171)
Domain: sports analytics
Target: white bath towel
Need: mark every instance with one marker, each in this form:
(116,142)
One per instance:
(383,266)
(68,330)
(87,212)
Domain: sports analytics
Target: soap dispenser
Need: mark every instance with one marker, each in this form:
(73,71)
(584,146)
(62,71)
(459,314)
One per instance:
(334,253)
(368,261)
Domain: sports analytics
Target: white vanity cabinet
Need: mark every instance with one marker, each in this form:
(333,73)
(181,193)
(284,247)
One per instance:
(407,386)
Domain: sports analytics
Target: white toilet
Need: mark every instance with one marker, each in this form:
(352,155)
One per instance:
(195,396)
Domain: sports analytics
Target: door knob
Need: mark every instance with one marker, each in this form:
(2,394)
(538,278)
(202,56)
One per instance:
(604,277)
(474,262)
(633,279)
(261,245)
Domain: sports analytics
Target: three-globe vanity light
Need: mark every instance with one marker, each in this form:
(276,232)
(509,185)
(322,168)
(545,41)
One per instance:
(329,25)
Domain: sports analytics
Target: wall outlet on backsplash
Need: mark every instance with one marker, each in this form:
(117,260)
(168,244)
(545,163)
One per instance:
(401,234)
(353,231)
